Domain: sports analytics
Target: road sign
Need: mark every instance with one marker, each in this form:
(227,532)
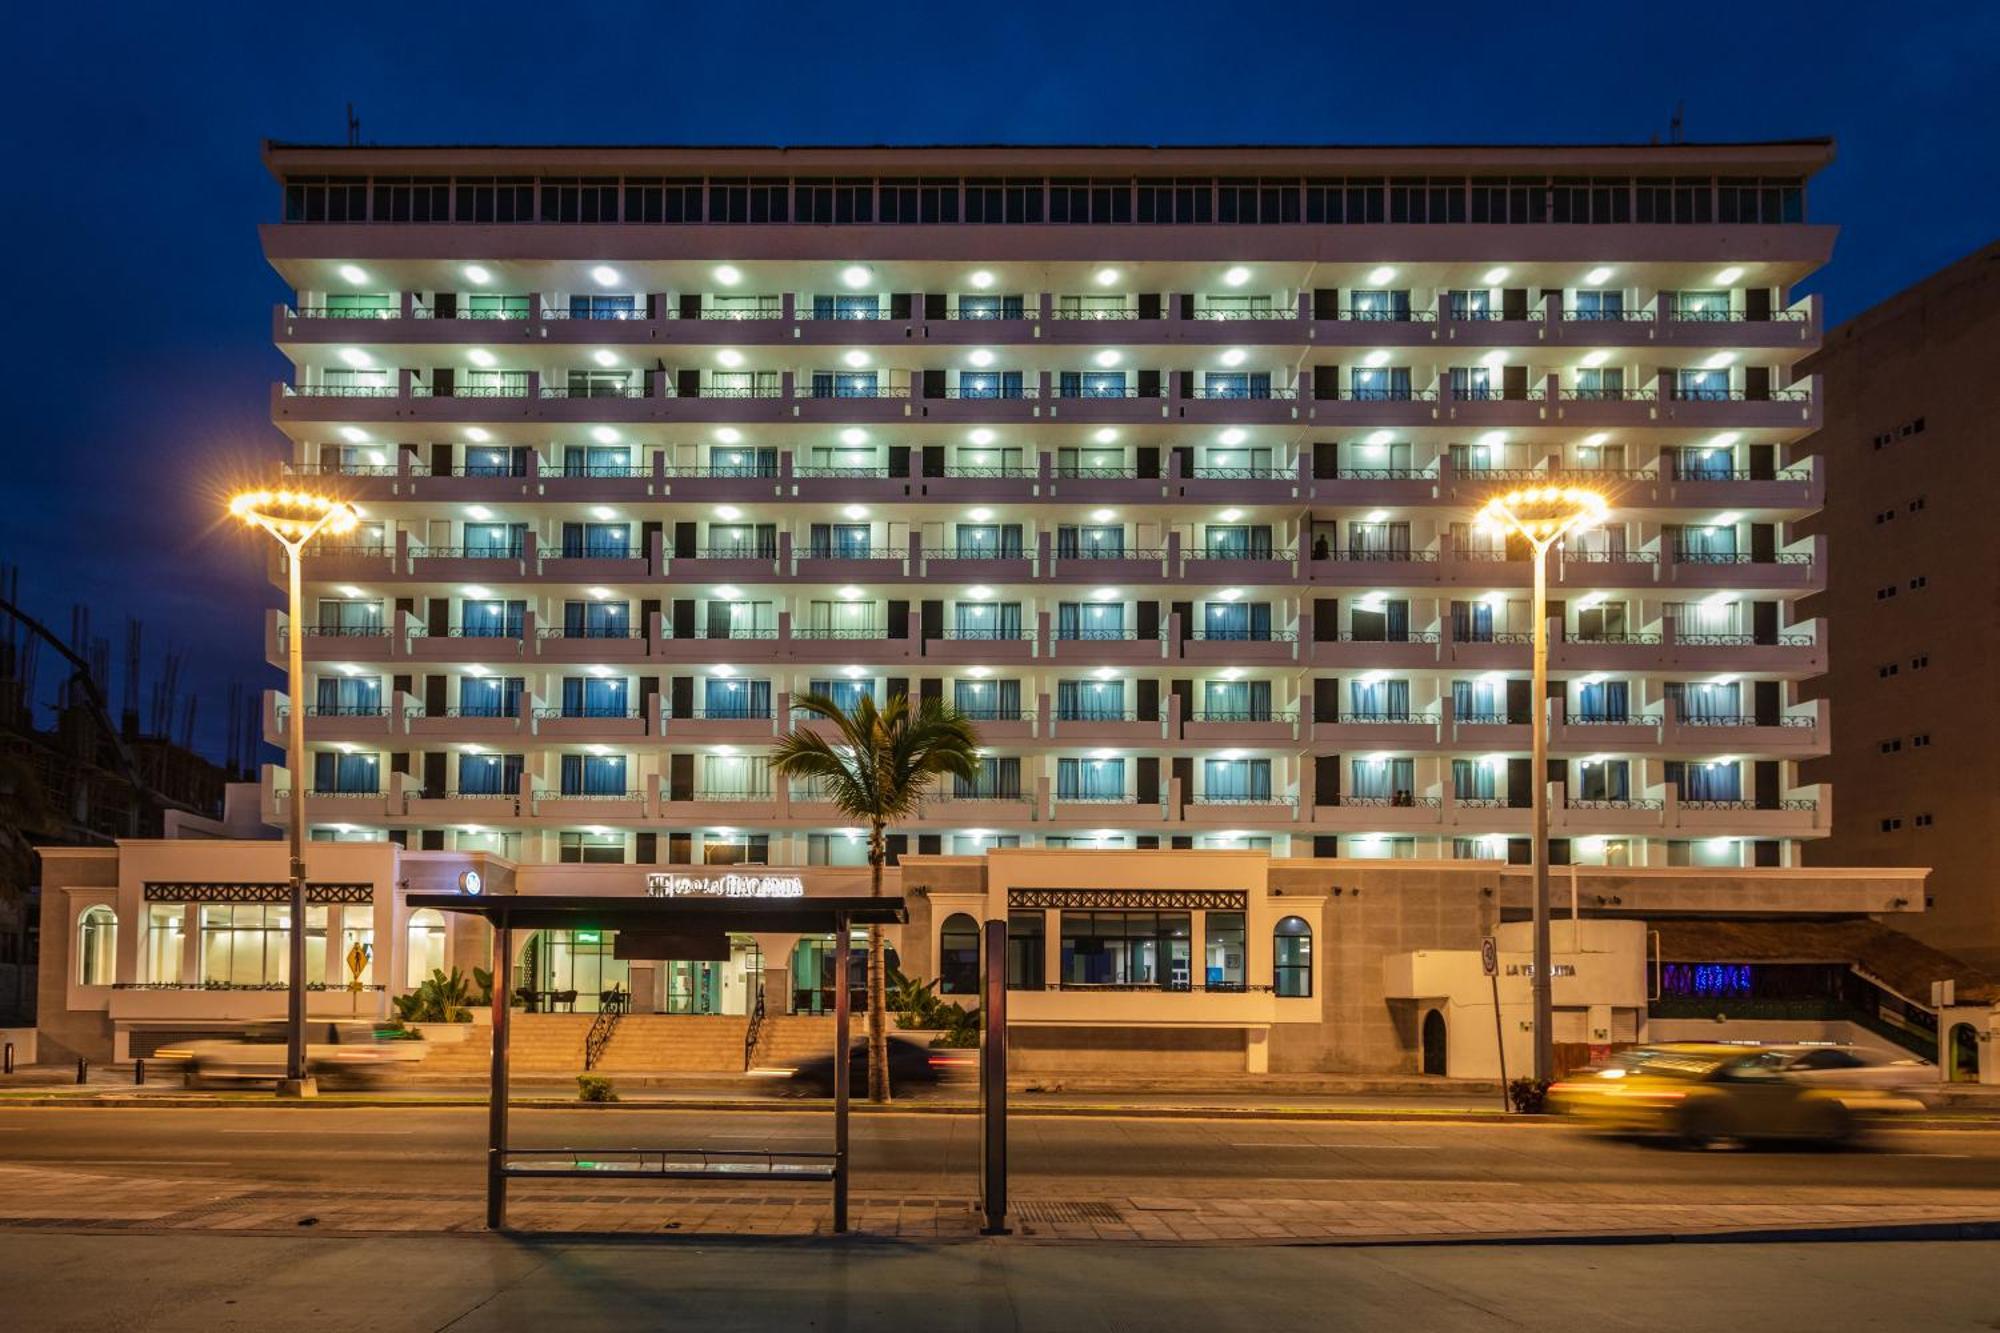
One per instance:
(357,963)
(1489,956)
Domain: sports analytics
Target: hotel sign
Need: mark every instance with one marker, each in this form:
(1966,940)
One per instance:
(725,886)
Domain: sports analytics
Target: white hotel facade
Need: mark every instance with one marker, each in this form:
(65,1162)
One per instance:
(1158,463)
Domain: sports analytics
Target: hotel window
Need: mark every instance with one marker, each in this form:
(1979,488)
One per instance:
(1387,621)
(762,462)
(1225,951)
(596,460)
(1701,307)
(998,779)
(990,307)
(987,700)
(1133,949)
(490,696)
(731,777)
(492,619)
(846,307)
(988,541)
(720,848)
(986,620)
(1370,847)
(736,698)
(1474,780)
(474,383)
(345,774)
(597,620)
(1236,780)
(1090,780)
(489,774)
(1596,305)
(1702,385)
(1701,545)
(833,201)
(1474,304)
(592,849)
(1091,384)
(1384,780)
(579,200)
(166,934)
(97,947)
(361,305)
(1291,958)
(1702,702)
(958,955)
(1182,201)
(722,306)
(989,384)
(330,199)
(937,201)
(412,199)
(1090,700)
(601,383)
(1090,620)
(1378,541)
(1090,543)
(1250,621)
(1378,305)
(425,937)
(480,305)
(1602,701)
(1238,307)
(1236,384)
(1011,201)
(1479,701)
(1604,780)
(1517,200)
(1472,384)
(1379,384)
(1027,950)
(597,541)
(1089,306)
(1705,618)
(592,305)
(248,944)
(1686,199)
(845,695)
(836,849)
(1712,780)
(1601,384)
(743,540)
(839,541)
(347,696)
(593,775)
(495,541)
(1378,699)
(1433,200)
(1236,701)
(595,696)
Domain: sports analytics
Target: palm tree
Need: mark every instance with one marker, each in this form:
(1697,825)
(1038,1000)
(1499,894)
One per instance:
(877,772)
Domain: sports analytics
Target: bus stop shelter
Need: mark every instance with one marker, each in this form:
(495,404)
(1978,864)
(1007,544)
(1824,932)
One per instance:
(692,925)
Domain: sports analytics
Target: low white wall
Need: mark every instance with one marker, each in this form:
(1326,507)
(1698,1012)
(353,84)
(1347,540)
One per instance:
(1770,1030)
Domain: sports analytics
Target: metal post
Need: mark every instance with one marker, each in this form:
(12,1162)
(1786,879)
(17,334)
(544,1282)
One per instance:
(496,1094)
(1539,983)
(1499,1037)
(296,1084)
(842,1060)
(993,1083)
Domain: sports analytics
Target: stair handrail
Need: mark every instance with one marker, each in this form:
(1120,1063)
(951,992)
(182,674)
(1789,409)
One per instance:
(612,1005)
(756,1027)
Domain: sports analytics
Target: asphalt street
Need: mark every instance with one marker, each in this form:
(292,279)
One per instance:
(442,1148)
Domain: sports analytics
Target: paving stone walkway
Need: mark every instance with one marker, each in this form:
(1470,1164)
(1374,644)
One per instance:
(62,1199)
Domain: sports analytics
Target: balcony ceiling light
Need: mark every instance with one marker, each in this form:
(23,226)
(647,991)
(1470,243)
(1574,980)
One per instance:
(353,434)
(729,592)
(604,358)
(1106,435)
(1493,439)
(604,513)
(722,672)
(355,357)
(729,358)
(1378,276)
(1104,673)
(601,672)
(1726,440)
(979,592)
(352,273)
(728,434)
(604,275)
(1236,275)
(1235,356)
(1103,515)
(477,671)
(600,594)
(849,593)
(1493,277)
(348,590)
(1230,515)
(979,515)
(475,591)
(856,358)
(1719,360)
(1598,276)
(1104,595)
(1234,435)
(479,512)
(1230,594)
(981,279)
(728,274)
(1104,277)
(856,511)
(853,435)
(852,672)
(1232,673)
(1493,359)
(1377,438)
(478,434)
(1728,276)
(1104,754)
(604,435)
(1592,360)
(1107,357)
(728,511)
(1728,518)
(979,673)
(981,436)
(1376,516)
(1494,598)
(477,274)
(979,356)
(855,275)
(479,356)
(1375,358)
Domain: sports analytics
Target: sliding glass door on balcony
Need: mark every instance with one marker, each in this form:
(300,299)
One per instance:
(348,696)
(597,541)
(493,619)
(490,696)
(841,619)
(346,774)
(988,541)
(596,461)
(593,696)
(987,700)
(1236,620)
(1090,779)
(1236,780)
(741,620)
(593,775)
(1090,543)
(1236,700)
(987,620)
(489,774)
(999,779)
(839,541)
(597,620)
(1379,700)
(736,699)
(845,695)
(1383,779)
(1090,620)
(843,384)
(1090,700)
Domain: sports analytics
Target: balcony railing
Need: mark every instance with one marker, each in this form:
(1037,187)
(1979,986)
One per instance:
(471,391)
(588,391)
(340,390)
(1349,636)
(1401,801)
(1387,718)
(550,714)
(1744,720)
(1390,316)
(852,391)
(1218,394)
(1244,636)
(1386,396)
(1242,715)
(822,634)
(1105,313)
(589,632)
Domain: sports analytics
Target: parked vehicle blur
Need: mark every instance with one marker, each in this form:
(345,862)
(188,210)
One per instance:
(1702,1095)
(910,1066)
(1829,1066)
(335,1053)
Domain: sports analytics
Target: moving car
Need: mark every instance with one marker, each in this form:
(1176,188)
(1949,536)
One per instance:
(910,1065)
(335,1053)
(1705,1094)
(1826,1065)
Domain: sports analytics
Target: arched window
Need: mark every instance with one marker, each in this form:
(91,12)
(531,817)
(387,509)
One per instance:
(958,956)
(426,945)
(97,947)
(1292,957)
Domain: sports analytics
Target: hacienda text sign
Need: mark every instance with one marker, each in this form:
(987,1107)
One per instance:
(725,886)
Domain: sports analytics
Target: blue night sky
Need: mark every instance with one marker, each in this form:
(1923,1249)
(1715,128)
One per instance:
(140,304)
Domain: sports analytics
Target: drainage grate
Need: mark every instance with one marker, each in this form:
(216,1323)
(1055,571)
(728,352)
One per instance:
(1042,1210)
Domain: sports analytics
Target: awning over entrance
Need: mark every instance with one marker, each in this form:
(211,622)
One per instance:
(801,916)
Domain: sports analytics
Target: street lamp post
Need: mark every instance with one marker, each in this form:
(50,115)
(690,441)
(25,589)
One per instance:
(294,518)
(1542,516)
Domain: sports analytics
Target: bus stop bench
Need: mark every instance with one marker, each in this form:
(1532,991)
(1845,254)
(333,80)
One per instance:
(671,1164)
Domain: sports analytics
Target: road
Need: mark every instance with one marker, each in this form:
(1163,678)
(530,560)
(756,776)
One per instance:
(426,1147)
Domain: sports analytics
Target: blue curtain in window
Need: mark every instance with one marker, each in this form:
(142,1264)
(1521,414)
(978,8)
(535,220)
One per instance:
(840,541)
(494,540)
(989,384)
(589,696)
(1237,779)
(1472,622)
(596,461)
(489,696)
(1701,701)
(335,772)
(1092,384)
(493,620)
(988,700)
(845,693)
(1238,700)
(601,307)
(1472,780)
(736,698)
(1383,779)
(1086,700)
(1367,304)
(489,774)
(1090,779)
(596,620)
(1380,698)
(349,696)
(1704,384)
(1713,782)
(1601,700)
(1606,780)
(1700,543)
(846,307)
(1600,305)
(597,541)
(1702,464)
(593,774)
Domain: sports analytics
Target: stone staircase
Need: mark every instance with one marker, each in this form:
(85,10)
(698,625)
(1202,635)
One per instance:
(786,1039)
(675,1044)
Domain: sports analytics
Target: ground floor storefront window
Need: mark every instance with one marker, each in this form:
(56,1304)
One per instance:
(1136,949)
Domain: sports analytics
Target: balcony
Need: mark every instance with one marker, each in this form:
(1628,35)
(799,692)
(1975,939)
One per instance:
(719,805)
(1342,649)
(1799,487)
(999,809)
(1106,485)
(1115,812)
(478,724)
(1379,731)
(1230,648)
(970,565)
(461,807)
(721,726)
(1795,570)
(1229,812)
(1801,731)
(978,646)
(1385,487)
(586,725)
(982,485)
(717,565)
(577,808)
(1572,733)
(874,564)
(1340,567)
(564,643)
(468,564)
(1239,727)
(1129,565)
(1341,813)
(754,646)
(372,724)
(1227,565)
(1240,485)
(1806,812)
(1589,816)
(1103,727)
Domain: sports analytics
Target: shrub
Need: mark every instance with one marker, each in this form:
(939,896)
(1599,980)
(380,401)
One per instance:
(595,1088)
(445,999)
(1530,1096)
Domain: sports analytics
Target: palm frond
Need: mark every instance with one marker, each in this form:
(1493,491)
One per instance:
(888,758)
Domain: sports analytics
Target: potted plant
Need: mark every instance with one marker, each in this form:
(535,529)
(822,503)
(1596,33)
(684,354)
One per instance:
(441,1006)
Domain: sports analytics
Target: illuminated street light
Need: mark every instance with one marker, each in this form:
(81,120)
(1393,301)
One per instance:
(1542,516)
(294,518)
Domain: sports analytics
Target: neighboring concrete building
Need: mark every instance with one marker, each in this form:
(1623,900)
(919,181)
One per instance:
(1912,399)
(1157,462)
(1156,962)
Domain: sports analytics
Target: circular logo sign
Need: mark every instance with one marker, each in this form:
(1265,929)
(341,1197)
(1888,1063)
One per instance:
(469,882)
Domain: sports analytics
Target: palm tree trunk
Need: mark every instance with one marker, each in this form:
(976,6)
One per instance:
(878,1028)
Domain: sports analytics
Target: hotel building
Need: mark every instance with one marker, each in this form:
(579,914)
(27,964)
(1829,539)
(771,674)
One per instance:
(1160,464)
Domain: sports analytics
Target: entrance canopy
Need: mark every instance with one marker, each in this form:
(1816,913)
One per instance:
(692,915)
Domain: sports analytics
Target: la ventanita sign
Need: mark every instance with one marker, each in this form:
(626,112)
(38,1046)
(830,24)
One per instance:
(725,886)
